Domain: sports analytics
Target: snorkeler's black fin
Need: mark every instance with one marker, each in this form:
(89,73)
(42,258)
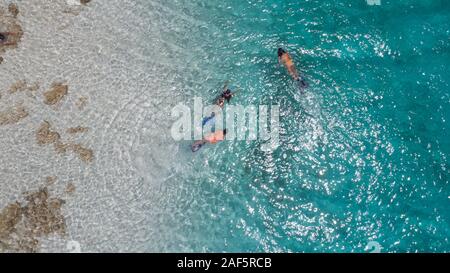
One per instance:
(302,85)
(196,146)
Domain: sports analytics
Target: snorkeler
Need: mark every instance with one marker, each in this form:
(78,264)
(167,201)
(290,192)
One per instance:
(212,138)
(215,136)
(285,59)
(226,95)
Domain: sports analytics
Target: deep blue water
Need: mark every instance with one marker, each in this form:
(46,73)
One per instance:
(364,154)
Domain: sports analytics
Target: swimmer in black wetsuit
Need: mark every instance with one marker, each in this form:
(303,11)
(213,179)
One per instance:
(226,95)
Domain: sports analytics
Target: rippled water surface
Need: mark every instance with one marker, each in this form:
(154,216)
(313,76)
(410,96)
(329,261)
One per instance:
(363,154)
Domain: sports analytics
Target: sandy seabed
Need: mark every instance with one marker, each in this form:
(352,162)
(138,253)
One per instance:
(74,127)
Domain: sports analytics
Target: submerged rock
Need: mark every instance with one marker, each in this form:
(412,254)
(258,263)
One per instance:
(50,180)
(22,85)
(45,135)
(13,115)
(56,93)
(22,225)
(81,103)
(13,10)
(10,29)
(17,86)
(70,189)
(77,130)
(85,2)
(85,154)
(10,216)
(43,214)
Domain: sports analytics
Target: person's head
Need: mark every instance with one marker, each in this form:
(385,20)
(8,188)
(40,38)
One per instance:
(225,132)
(227,95)
(281,52)
(226,92)
(2,37)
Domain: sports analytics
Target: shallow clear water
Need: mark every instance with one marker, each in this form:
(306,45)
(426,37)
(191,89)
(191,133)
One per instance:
(363,155)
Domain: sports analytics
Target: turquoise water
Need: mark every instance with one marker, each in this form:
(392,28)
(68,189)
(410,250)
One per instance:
(364,153)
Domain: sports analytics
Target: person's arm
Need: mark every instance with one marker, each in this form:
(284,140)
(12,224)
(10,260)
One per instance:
(225,87)
(199,142)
